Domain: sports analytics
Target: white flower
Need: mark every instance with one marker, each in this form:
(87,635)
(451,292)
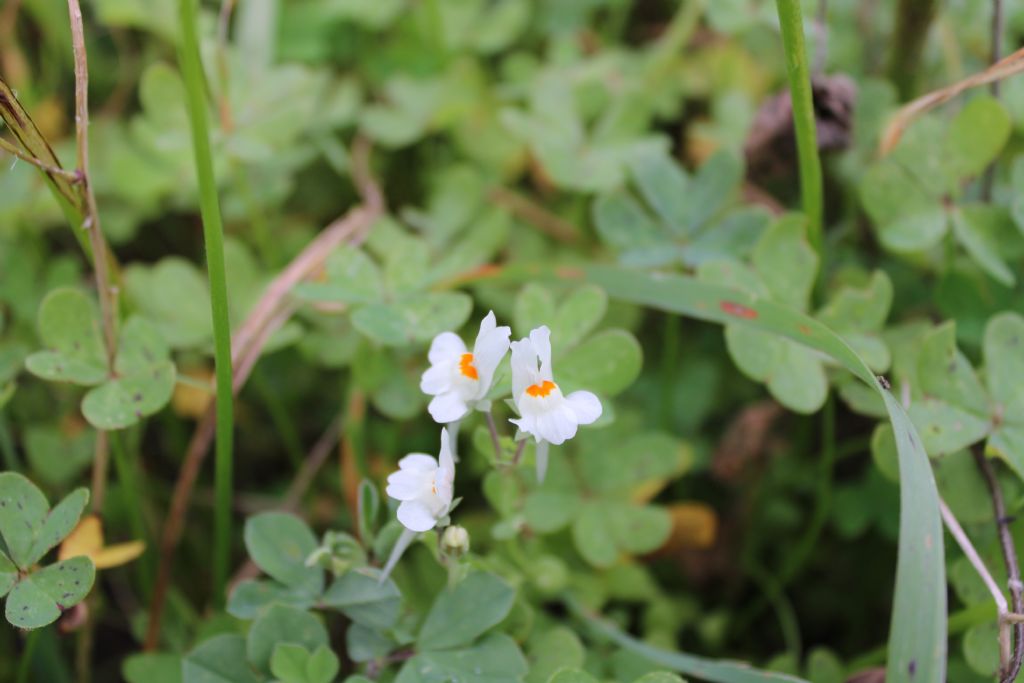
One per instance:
(459,380)
(543,411)
(424,485)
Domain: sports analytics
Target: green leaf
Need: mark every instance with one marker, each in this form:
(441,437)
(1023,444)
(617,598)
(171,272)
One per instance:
(945,373)
(859,308)
(174,297)
(663,184)
(556,648)
(578,315)
(699,667)
(534,306)
(495,659)
(461,614)
(69,327)
(976,136)
(906,217)
(144,383)
(607,363)
(322,666)
(282,624)
(638,529)
(947,428)
(365,644)
(981,648)
(1004,357)
(152,668)
(41,597)
(251,597)
(8,575)
(823,666)
(918,632)
(793,373)
(623,224)
(350,277)
(571,675)
(279,544)
(221,659)
(977,229)
(591,537)
(417,319)
(548,511)
(56,457)
(368,504)
(23,509)
(713,186)
(60,522)
(361,596)
(786,262)
(289,663)
(662,677)
(653,457)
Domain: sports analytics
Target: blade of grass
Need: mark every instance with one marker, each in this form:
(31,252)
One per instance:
(792,25)
(213,234)
(917,636)
(716,671)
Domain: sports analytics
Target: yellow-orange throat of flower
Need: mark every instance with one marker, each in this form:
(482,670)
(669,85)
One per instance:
(466,366)
(541,390)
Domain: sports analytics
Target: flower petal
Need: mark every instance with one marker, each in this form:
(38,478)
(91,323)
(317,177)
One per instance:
(403,485)
(490,347)
(586,406)
(446,460)
(415,516)
(418,462)
(446,346)
(437,379)
(541,339)
(557,424)
(524,367)
(447,407)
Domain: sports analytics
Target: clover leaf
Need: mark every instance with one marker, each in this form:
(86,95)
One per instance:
(30,529)
(144,375)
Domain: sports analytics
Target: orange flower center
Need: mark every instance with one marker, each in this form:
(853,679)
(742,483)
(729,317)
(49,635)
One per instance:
(541,390)
(466,366)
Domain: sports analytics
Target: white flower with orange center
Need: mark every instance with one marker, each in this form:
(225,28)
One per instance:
(544,412)
(458,379)
(424,485)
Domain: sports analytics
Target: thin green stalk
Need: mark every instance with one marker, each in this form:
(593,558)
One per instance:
(25,665)
(213,234)
(792,24)
(131,491)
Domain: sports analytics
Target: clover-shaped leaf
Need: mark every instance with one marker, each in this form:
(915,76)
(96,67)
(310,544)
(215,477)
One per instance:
(69,327)
(364,598)
(279,544)
(282,624)
(39,598)
(1004,363)
(461,614)
(144,380)
(494,659)
(144,375)
(691,221)
(30,529)
(416,319)
(293,663)
(604,505)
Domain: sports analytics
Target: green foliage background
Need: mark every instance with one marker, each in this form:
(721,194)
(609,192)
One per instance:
(591,165)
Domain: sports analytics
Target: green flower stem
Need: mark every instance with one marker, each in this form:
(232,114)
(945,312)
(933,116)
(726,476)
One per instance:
(27,655)
(213,233)
(791,22)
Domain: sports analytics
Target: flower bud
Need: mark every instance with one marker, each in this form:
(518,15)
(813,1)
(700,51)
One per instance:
(455,540)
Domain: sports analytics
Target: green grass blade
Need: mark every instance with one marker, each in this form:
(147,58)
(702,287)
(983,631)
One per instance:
(917,636)
(792,24)
(716,671)
(213,234)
